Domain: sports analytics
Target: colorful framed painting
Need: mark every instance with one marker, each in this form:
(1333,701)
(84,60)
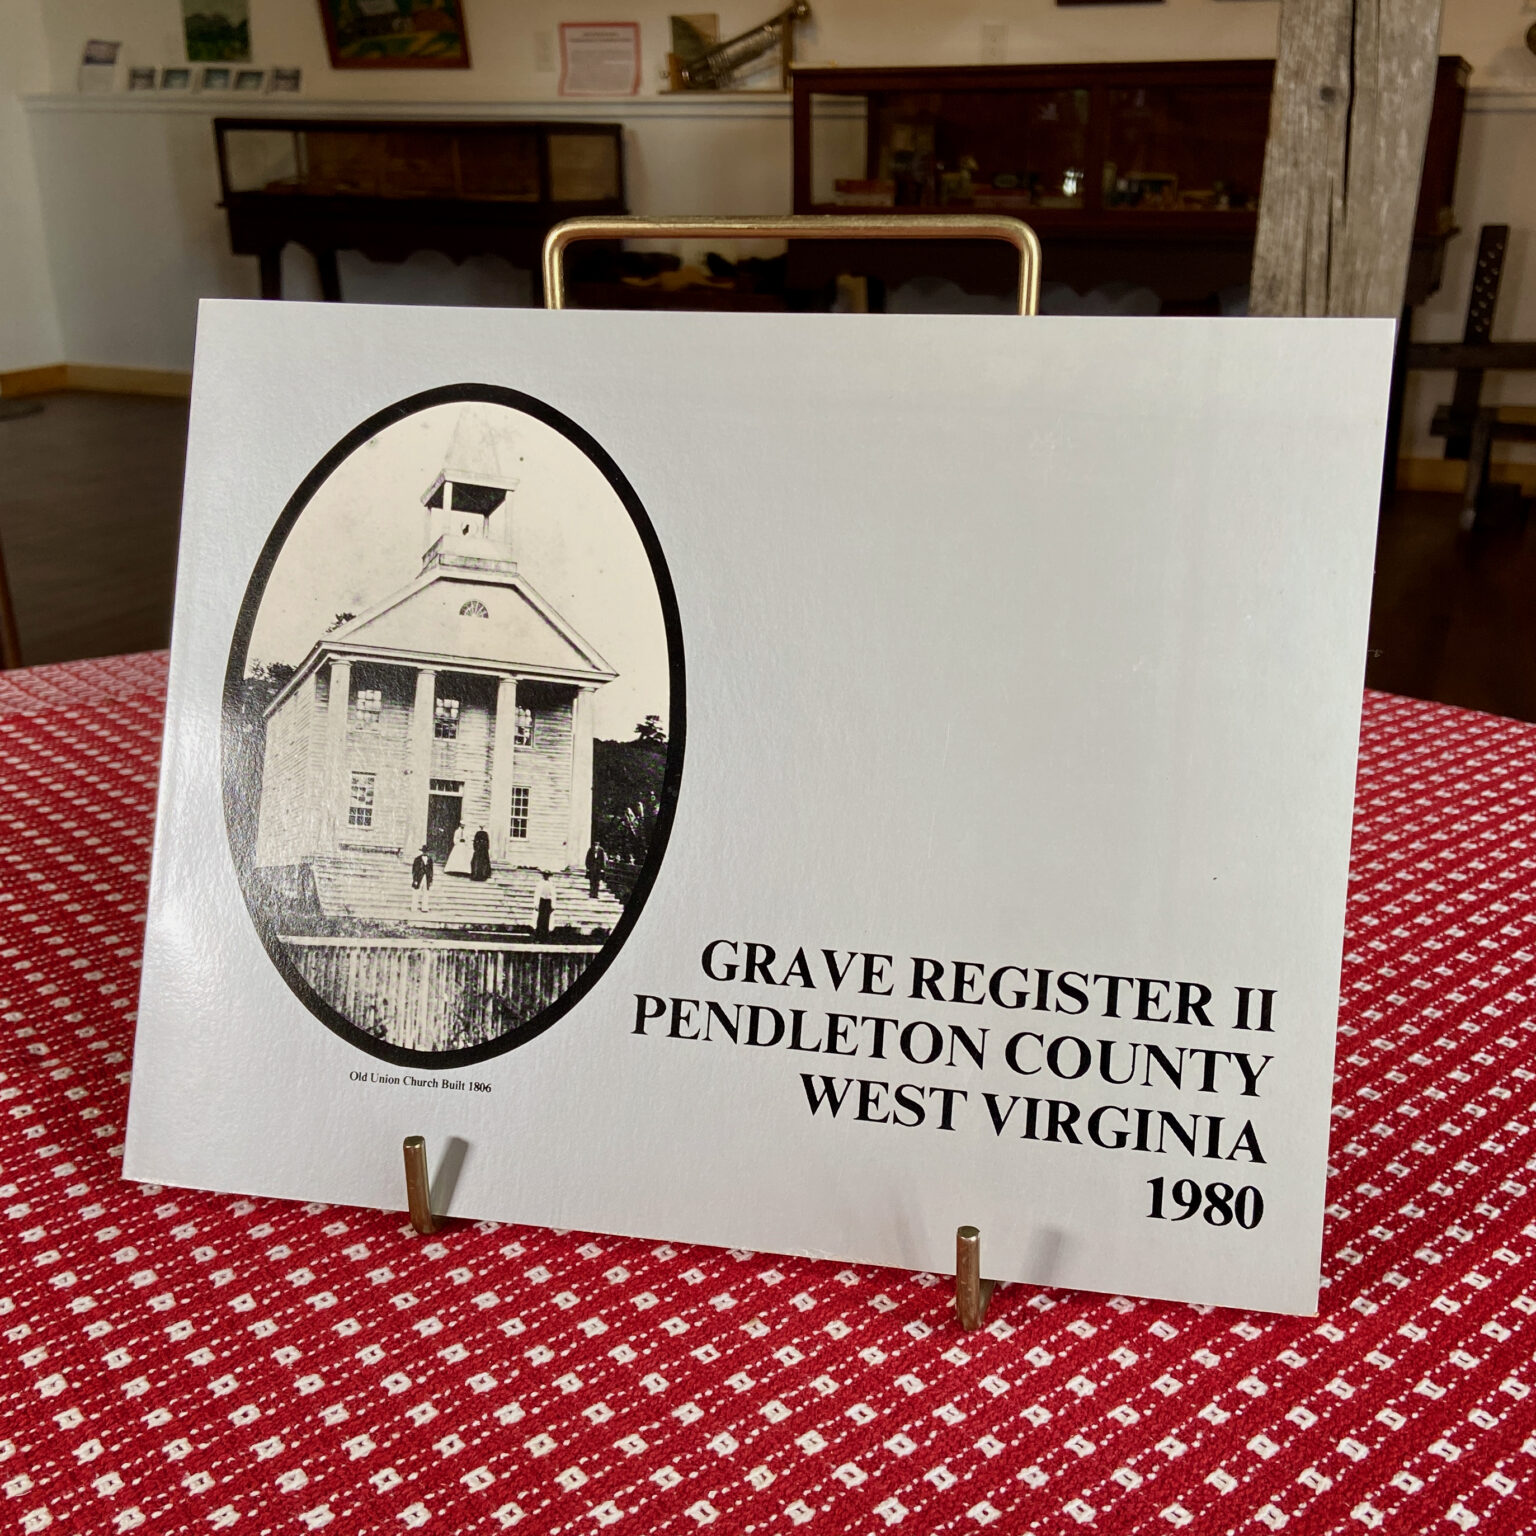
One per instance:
(395,34)
(217,31)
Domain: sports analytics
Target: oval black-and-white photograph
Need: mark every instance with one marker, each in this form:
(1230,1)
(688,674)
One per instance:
(453,723)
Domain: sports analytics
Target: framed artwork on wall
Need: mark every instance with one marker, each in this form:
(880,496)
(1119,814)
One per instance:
(217,31)
(395,34)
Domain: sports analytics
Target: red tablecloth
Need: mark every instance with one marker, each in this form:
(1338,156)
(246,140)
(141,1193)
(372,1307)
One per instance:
(190,1362)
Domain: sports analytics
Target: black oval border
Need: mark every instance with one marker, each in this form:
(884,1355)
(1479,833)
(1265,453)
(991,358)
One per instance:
(240,643)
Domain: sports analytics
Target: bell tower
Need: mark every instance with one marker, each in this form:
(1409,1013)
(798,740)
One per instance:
(469,510)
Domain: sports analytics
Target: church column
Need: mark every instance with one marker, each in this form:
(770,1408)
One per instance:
(503,753)
(580,838)
(418,773)
(338,770)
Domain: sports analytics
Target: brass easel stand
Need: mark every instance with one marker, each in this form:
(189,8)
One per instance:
(802,226)
(418,1187)
(972,1293)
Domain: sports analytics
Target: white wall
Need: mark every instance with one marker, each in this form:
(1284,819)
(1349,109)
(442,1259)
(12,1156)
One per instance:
(29,331)
(1496,185)
(504,37)
(128,188)
(130,193)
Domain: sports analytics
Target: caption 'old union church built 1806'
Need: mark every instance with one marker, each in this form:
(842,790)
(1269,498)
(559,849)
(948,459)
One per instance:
(463,698)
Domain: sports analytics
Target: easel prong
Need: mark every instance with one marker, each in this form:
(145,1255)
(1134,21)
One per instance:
(418,1187)
(972,1293)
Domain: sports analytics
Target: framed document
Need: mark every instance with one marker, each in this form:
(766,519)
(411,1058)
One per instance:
(599,58)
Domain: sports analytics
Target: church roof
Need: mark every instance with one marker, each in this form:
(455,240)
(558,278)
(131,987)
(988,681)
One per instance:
(457,619)
(469,609)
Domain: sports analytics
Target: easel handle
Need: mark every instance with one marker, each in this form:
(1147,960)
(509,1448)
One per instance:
(801,226)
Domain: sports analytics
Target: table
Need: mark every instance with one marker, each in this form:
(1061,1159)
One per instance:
(388,189)
(178,1361)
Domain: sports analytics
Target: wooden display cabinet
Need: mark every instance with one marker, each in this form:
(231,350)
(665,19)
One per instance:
(465,188)
(1142,173)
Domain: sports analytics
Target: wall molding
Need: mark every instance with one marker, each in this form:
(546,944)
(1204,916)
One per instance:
(1496,96)
(692,107)
(34,381)
(169,383)
(1489,96)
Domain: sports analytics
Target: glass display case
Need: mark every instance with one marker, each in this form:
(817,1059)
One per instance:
(1143,173)
(388,188)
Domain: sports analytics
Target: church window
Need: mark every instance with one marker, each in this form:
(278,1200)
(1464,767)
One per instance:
(474,609)
(523,735)
(360,800)
(445,719)
(367,708)
(519,826)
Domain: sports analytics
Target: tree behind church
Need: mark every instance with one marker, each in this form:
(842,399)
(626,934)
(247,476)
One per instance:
(627,780)
(245,743)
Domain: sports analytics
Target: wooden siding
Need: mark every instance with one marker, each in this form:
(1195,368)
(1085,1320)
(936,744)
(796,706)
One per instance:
(437,997)
(285,830)
(384,751)
(467,756)
(299,791)
(544,767)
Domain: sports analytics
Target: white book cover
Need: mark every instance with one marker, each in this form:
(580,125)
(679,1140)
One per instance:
(796,783)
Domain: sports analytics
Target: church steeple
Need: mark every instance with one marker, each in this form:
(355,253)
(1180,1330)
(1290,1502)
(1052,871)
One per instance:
(469,515)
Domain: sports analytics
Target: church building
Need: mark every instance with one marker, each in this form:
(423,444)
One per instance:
(463,698)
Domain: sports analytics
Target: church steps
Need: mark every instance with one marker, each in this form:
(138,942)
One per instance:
(380,890)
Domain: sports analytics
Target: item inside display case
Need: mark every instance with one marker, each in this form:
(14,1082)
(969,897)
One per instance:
(1146,174)
(501,164)
(1165,149)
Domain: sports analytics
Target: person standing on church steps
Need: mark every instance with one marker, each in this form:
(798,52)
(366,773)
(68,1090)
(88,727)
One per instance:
(459,861)
(597,864)
(545,896)
(480,860)
(421,880)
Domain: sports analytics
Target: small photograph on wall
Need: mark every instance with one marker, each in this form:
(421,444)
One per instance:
(251,80)
(395,34)
(449,747)
(217,31)
(215,77)
(142,77)
(98,66)
(284,80)
(176,78)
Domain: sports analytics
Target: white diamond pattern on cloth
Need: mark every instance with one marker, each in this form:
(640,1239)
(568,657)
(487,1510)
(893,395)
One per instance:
(175,1361)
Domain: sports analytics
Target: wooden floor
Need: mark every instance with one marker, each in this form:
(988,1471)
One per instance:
(90,491)
(1453,616)
(90,497)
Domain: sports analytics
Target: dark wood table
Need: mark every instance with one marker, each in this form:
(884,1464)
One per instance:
(390,188)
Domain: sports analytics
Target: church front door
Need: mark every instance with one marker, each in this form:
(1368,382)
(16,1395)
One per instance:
(445,810)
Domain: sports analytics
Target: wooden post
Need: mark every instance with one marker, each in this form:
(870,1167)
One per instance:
(1354,85)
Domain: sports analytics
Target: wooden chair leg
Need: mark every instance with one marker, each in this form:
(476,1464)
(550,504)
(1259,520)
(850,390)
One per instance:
(1481,304)
(271,260)
(330,275)
(10,638)
(1479,451)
